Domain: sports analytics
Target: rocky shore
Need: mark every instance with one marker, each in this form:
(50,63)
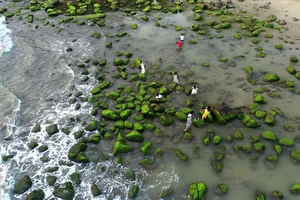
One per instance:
(126,120)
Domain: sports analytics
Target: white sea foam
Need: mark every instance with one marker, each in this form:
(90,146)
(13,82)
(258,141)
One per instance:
(6,42)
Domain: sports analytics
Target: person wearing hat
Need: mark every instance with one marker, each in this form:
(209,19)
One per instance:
(188,122)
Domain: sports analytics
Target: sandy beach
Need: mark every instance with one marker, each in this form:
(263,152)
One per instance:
(287,10)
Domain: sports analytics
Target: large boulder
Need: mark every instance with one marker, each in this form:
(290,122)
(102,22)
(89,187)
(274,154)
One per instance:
(223,113)
(22,185)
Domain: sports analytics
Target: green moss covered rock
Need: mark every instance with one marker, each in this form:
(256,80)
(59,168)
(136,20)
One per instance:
(269,135)
(286,142)
(197,191)
(121,148)
(250,122)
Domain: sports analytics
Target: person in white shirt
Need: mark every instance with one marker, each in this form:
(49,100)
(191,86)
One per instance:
(143,68)
(194,90)
(188,122)
(181,37)
(159,96)
(175,77)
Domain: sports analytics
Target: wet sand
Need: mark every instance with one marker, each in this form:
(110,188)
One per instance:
(287,10)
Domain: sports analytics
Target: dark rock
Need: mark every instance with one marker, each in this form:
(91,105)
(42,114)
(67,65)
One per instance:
(36,195)
(22,185)
(52,129)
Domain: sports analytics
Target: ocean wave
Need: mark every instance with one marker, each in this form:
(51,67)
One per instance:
(6,42)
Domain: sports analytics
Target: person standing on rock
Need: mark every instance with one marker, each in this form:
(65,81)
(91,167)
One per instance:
(143,68)
(188,122)
(206,112)
(194,90)
(175,78)
(181,37)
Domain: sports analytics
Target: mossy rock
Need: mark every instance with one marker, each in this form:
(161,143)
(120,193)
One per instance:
(250,122)
(295,189)
(269,135)
(269,35)
(125,114)
(133,191)
(166,120)
(277,148)
(110,114)
(145,149)
(238,135)
(121,148)
(271,77)
(133,26)
(296,156)
(278,46)
(108,45)
(52,129)
(6,157)
(276,194)
(286,142)
(297,75)
(135,136)
(216,139)
(198,123)
(182,156)
(270,119)
(291,70)
(293,59)
(37,194)
(76,178)
(289,128)
(92,126)
(255,41)
(76,154)
(36,128)
(217,165)
(66,192)
(249,70)
(261,54)
(221,188)
(206,64)
(147,163)
(178,28)
(223,59)
(145,18)
(237,36)
(290,83)
(259,99)
(260,114)
(95,190)
(197,191)
(272,158)
(259,146)
(246,149)
(22,185)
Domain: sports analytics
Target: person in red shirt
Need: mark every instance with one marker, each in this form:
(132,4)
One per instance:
(179,45)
